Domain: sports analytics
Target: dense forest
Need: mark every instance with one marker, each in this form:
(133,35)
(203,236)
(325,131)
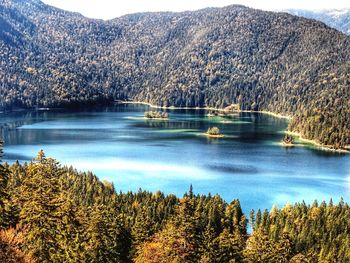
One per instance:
(215,57)
(52,213)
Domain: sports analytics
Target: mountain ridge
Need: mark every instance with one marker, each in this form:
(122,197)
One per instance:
(336,18)
(212,57)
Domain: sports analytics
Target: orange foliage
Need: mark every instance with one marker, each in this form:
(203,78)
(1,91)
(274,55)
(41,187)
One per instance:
(10,247)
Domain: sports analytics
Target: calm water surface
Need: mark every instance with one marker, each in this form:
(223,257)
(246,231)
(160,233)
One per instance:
(119,145)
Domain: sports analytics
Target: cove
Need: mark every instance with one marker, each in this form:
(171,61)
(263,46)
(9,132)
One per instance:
(119,145)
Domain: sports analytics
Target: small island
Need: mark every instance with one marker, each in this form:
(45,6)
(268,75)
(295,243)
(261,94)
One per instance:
(212,114)
(223,112)
(158,115)
(217,114)
(214,132)
(288,141)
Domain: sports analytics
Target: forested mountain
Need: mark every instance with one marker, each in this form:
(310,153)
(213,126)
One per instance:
(51,213)
(213,57)
(339,19)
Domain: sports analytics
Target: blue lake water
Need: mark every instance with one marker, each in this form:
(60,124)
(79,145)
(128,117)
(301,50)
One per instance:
(119,145)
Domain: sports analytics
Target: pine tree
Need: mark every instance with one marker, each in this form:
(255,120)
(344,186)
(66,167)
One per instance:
(4,176)
(252,218)
(230,247)
(72,236)
(284,249)
(299,258)
(177,242)
(260,248)
(258,218)
(41,200)
(208,247)
(190,192)
(235,220)
(106,235)
(186,222)
(142,229)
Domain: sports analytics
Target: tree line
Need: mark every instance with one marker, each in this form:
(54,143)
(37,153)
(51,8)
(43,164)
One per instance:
(53,213)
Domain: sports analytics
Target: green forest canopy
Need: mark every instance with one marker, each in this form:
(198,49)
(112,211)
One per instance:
(52,213)
(212,57)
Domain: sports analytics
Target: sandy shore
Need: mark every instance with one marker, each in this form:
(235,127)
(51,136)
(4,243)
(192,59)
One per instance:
(157,119)
(214,136)
(203,108)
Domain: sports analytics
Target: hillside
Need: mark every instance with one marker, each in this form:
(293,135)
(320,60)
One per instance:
(212,57)
(338,19)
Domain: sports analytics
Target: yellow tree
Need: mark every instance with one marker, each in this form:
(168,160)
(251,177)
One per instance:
(177,242)
(43,211)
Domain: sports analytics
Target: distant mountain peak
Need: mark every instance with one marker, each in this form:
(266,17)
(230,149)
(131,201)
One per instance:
(336,18)
(338,12)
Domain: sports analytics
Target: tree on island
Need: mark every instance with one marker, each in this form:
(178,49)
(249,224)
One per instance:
(214,131)
(156,115)
(288,140)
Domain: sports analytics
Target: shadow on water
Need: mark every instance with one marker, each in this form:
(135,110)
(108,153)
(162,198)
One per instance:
(234,169)
(118,144)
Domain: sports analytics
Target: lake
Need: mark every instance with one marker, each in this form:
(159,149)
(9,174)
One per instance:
(119,145)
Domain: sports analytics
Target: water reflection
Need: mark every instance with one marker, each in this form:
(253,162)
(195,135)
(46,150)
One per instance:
(119,145)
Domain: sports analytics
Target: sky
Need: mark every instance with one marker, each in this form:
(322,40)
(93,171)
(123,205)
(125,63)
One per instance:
(107,9)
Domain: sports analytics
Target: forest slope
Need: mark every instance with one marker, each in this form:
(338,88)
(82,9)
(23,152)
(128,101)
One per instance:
(213,57)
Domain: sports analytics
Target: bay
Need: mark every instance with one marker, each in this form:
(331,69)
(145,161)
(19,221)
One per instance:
(119,145)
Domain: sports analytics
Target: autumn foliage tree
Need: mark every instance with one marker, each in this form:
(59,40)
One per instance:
(61,215)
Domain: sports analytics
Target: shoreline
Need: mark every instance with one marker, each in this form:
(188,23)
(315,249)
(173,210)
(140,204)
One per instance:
(156,119)
(280,116)
(319,146)
(276,115)
(214,136)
